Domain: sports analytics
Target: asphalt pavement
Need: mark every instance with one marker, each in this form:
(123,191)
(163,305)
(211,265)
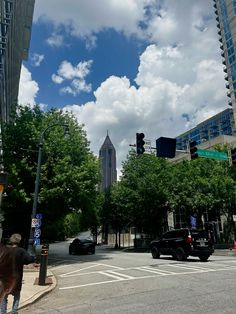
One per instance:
(32,291)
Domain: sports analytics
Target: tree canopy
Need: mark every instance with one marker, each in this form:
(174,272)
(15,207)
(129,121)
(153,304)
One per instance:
(69,171)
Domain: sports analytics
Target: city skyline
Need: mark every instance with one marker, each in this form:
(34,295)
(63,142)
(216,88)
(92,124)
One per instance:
(138,66)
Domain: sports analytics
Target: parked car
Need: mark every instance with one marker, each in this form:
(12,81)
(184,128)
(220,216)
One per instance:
(82,246)
(181,243)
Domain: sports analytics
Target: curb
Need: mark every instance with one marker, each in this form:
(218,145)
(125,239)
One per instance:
(39,294)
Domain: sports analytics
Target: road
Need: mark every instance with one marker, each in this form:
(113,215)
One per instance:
(126,282)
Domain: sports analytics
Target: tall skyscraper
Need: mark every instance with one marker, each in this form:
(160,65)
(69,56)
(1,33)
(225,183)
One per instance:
(225,11)
(107,155)
(15,30)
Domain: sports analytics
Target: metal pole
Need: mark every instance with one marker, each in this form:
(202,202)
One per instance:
(31,248)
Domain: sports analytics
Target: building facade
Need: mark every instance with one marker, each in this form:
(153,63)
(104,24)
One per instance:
(222,123)
(225,11)
(15,31)
(107,155)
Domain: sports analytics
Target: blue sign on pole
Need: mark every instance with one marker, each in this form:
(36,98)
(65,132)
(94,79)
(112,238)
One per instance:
(36,242)
(193,222)
(38,216)
(37,233)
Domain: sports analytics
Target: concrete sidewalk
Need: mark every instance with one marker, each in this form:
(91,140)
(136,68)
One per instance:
(31,291)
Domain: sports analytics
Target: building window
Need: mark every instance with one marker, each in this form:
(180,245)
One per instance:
(234,6)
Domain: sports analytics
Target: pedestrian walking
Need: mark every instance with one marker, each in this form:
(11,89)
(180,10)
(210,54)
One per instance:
(21,258)
(7,270)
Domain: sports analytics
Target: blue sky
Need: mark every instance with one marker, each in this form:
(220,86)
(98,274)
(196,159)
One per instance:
(126,66)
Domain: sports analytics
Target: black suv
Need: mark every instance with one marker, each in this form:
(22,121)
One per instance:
(181,243)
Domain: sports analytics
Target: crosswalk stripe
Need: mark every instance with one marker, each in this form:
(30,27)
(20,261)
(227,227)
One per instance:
(155,271)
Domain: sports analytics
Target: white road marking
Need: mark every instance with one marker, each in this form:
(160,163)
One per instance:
(191,267)
(118,274)
(118,277)
(155,271)
(77,270)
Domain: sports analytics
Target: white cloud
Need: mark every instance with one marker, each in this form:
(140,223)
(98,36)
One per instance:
(158,105)
(85,19)
(75,76)
(57,79)
(36,59)
(28,88)
(55,40)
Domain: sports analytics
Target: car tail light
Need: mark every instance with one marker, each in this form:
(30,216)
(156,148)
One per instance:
(188,239)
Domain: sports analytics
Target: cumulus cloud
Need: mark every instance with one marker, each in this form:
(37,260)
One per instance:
(158,105)
(85,19)
(55,40)
(173,88)
(74,75)
(28,88)
(36,59)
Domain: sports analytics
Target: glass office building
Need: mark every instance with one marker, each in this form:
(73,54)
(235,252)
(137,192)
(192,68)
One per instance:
(225,11)
(222,123)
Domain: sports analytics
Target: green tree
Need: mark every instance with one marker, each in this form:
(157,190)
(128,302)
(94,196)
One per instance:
(142,195)
(69,171)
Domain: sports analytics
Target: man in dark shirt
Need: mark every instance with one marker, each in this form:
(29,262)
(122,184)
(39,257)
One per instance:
(21,258)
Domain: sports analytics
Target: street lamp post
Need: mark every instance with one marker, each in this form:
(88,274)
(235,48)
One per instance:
(31,248)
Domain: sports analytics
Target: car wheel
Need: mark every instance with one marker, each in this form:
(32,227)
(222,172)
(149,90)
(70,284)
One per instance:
(155,252)
(180,255)
(203,258)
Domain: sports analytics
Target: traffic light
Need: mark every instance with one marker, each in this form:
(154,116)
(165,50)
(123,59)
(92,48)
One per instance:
(233,156)
(140,143)
(166,147)
(193,149)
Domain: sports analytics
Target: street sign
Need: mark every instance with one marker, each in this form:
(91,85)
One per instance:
(148,146)
(37,233)
(36,242)
(38,216)
(214,154)
(36,223)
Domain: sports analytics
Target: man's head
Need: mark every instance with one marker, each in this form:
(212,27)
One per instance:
(15,239)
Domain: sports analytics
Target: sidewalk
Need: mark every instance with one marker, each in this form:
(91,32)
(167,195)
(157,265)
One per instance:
(31,291)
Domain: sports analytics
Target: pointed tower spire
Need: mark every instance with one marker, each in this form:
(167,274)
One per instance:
(107,154)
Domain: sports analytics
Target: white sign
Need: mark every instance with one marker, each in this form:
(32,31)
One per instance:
(148,146)
(234,217)
(36,223)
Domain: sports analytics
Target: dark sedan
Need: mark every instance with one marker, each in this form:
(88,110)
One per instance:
(82,246)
